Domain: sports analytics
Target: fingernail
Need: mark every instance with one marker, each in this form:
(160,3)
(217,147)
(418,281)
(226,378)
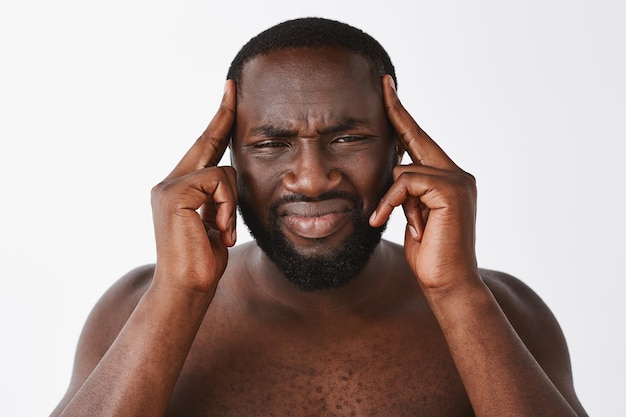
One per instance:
(373,217)
(413,233)
(392,83)
(226,86)
(233,236)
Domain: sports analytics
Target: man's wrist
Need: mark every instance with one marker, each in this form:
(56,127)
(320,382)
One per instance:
(459,296)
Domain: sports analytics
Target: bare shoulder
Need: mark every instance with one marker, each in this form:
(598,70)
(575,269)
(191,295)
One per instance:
(511,291)
(112,311)
(104,323)
(524,308)
(520,303)
(118,302)
(536,325)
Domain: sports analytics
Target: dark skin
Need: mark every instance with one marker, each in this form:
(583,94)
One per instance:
(421,331)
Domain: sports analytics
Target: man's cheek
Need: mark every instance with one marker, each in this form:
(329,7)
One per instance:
(246,183)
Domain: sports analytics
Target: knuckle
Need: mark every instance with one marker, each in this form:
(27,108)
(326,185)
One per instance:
(158,189)
(222,174)
(469,176)
(169,193)
(465,186)
(400,172)
(208,184)
(470,182)
(230,171)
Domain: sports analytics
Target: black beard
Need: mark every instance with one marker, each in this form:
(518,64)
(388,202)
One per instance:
(315,272)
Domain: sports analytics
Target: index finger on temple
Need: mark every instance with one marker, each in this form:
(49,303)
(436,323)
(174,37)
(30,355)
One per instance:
(210,146)
(420,147)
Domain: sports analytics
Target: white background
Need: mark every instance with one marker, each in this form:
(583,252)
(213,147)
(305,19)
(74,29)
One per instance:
(98,101)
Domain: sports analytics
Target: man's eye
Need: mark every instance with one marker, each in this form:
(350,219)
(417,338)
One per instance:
(269,147)
(348,139)
(268,144)
(353,140)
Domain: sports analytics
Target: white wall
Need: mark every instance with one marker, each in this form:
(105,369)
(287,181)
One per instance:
(98,101)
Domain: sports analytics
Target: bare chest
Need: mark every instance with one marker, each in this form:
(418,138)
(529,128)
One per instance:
(378,371)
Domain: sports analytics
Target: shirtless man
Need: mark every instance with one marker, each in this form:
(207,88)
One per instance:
(318,316)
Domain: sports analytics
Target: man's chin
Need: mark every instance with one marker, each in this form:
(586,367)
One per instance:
(321,265)
(316,247)
(316,264)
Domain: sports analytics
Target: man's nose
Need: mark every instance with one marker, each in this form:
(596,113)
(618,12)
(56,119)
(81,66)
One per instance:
(312,172)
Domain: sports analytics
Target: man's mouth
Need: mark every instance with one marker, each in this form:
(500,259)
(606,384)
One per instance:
(316,219)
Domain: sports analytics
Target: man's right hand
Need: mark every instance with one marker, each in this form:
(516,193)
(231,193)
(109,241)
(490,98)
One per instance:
(194,209)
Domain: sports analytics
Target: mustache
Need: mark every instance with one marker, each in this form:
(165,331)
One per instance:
(330,195)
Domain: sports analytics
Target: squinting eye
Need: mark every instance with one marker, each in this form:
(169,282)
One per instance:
(347,139)
(269,148)
(269,144)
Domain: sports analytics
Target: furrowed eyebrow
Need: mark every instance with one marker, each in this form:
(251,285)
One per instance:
(272,131)
(348,123)
(276,131)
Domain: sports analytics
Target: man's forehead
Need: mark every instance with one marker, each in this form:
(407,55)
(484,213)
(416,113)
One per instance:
(307,92)
(307,69)
(288,119)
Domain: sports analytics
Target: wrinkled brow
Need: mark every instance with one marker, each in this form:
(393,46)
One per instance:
(287,131)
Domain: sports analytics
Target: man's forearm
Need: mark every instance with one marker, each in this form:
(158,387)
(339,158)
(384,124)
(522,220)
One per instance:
(500,375)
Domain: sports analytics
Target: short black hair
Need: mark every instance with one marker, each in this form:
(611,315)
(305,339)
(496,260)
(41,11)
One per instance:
(313,32)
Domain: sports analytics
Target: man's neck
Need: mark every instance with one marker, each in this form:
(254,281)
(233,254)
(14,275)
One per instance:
(367,292)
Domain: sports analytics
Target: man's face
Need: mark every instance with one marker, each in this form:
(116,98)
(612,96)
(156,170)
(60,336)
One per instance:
(313,150)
